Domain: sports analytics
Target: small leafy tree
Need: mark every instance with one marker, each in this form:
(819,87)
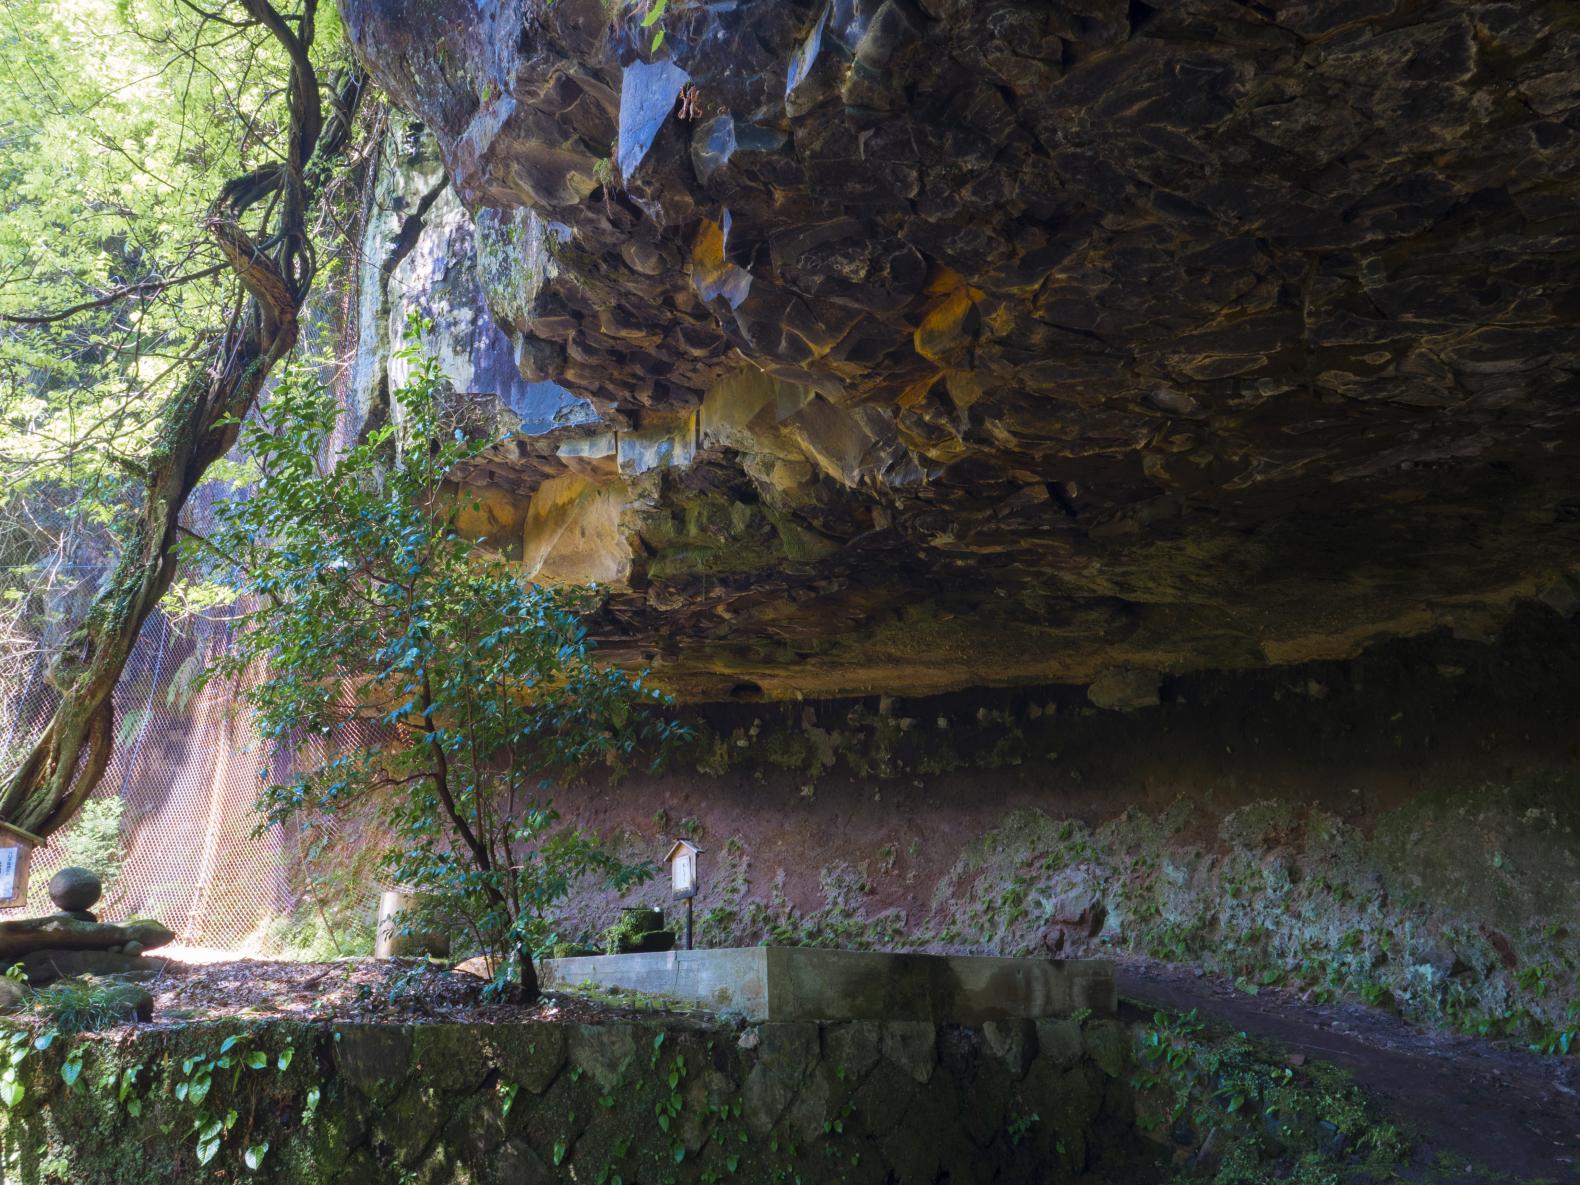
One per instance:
(430,679)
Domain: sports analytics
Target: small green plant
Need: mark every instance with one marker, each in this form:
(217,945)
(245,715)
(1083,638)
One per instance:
(1561,1038)
(407,983)
(629,928)
(77,1006)
(1533,978)
(93,840)
(1265,1108)
(1374,994)
(125,1085)
(194,1091)
(654,15)
(16,1046)
(372,609)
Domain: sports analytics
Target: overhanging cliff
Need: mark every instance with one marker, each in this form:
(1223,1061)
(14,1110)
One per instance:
(911,346)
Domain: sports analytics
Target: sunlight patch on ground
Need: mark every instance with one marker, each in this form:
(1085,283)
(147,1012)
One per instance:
(204,955)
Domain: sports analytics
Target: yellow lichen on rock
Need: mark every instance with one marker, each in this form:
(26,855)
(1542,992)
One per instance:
(572,533)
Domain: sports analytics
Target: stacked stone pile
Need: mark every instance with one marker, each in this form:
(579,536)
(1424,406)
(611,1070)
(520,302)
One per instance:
(75,945)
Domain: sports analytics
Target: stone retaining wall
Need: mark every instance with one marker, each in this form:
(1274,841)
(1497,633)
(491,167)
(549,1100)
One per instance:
(791,983)
(622,1103)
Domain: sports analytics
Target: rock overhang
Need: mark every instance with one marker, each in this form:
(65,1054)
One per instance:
(939,345)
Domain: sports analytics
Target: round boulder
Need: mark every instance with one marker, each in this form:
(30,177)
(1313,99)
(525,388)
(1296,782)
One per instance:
(75,890)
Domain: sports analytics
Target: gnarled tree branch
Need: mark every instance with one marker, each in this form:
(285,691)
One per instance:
(129,292)
(198,427)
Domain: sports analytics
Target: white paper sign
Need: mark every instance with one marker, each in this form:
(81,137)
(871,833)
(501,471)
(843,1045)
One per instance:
(10,862)
(684,878)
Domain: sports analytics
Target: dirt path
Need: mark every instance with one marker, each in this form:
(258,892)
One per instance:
(1480,1111)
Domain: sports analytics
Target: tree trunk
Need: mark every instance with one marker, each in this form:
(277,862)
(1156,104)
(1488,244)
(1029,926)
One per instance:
(530,988)
(199,426)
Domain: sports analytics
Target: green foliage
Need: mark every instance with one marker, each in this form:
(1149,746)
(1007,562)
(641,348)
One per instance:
(619,997)
(629,927)
(338,872)
(433,681)
(1562,1037)
(1311,1120)
(654,15)
(83,1006)
(566,950)
(120,121)
(16,1045)
(209,1126)
(1020,1127)
(315,936)
(93,840)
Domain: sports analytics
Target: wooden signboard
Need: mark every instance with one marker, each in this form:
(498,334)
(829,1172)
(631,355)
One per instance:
(683,868)
(15,855)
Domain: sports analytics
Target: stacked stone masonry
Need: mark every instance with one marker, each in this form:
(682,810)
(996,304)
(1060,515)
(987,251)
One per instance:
(537,1103)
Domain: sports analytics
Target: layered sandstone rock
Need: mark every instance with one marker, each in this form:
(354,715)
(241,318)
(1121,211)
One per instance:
(914,345)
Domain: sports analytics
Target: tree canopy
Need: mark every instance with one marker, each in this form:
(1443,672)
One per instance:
(120,122)
(162,168)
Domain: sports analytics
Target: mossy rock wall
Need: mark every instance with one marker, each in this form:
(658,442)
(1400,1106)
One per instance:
(1402,829)
(628,1102)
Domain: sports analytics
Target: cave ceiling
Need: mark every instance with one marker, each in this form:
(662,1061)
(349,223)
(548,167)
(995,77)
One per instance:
(915,345)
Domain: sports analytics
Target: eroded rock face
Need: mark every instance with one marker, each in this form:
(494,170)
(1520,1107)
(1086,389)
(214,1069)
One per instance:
(419,258)
(939,344)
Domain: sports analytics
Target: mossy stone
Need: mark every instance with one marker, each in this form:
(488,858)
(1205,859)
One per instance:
(605,1052)
(1108,1044)
(518,1164)
(447,1057)
(374,1058)
(1013,1042)
(913,1046)
(884,1097)
(14,996)
(853,1046)
(1059,1041)
(409,1124)
(529,1056)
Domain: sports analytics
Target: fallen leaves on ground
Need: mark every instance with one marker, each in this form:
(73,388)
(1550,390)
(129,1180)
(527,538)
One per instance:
(360,990)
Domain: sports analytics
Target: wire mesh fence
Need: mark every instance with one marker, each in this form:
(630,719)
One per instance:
(172,827)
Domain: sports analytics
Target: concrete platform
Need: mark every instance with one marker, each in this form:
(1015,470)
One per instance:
(784,983)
